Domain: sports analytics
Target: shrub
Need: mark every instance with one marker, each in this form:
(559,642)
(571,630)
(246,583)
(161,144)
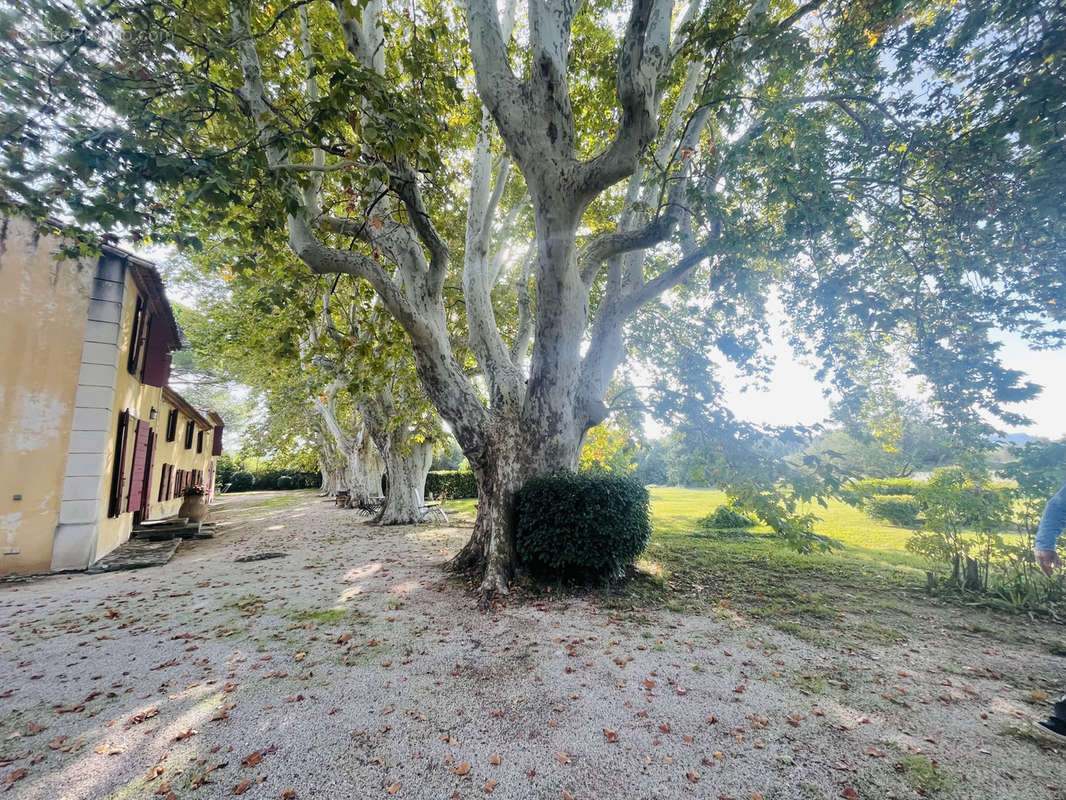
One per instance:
(285,482)
(242,481)
(899,509)
(581,526)
(727,518)
(456,484)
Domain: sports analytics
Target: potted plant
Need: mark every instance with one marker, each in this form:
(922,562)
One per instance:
(192,504)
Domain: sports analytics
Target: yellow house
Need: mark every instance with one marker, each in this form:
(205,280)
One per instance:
(91,438)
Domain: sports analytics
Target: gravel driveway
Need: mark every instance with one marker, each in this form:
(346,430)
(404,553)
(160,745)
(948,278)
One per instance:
(352,668)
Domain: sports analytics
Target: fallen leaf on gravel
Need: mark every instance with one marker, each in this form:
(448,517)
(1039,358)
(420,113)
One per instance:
(31,729)
(649,684)
(164,788)
(242,787)
(252,759)
(461,769)
(288,794)
(108,749)
(567,795)
(17,775)
(665,727)
(875,752)
(756,796)
(739,689)
(494,759)
(794,720)
(609,735)
(301,656)
(692,776)
(155,772)
(489,787)
(562,757)
(849,793)
(136,719)
(185,735)
(395,788)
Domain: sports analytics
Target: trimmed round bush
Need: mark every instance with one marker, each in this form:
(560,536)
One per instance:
(581,526)
(285,482)
(727,518)
(242,481)
(899,509)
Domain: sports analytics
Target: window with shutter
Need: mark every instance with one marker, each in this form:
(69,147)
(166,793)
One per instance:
(199,441)
(140,315)
(162,484)
(138,466)
(170,482)
(190,428)
(172,424)
(114,499)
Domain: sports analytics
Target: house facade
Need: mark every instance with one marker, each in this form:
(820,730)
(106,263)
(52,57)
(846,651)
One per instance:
(92,439)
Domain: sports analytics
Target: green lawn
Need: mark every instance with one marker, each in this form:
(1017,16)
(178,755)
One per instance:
(689,567)
(675,514)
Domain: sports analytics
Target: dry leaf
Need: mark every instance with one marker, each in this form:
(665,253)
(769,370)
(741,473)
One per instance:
(609,735)
(494,759)
(17,775)
(288,794)
(252,759)
(461,769)
(567,795)
(395,788)
(489,787)
(849,793)
(562,757)
(875,752)
(185,735)
(301,655)
(693,777)
(242,787)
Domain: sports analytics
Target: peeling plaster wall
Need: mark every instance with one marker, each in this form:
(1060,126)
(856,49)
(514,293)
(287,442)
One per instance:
(44,306)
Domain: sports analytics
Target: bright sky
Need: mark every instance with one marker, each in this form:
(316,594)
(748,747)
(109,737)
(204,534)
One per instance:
(796,397)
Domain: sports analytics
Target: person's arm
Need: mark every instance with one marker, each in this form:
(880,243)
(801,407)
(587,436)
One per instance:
(1051,524)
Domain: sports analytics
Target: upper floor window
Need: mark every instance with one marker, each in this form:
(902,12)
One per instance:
(172,424)
(199,441)
(189,429)
(137,335)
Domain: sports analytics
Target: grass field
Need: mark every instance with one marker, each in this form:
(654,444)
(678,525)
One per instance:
(689,568)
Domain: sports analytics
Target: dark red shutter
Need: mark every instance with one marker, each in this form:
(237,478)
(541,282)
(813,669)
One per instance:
(170,481)
(216,445)
(140,459)
(118,471)
(156,370)
(199,441)
(149,465)
(162,484)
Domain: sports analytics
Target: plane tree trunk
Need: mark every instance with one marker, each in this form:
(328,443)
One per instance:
(533,419)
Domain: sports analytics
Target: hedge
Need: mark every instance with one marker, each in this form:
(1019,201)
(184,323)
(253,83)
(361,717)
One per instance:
(899,509)
(274,479)
(456,484)
(581,526)
(887,486)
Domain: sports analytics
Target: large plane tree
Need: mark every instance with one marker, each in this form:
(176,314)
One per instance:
(890,170)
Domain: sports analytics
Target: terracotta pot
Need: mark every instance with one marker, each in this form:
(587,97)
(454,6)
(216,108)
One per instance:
(194,508)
